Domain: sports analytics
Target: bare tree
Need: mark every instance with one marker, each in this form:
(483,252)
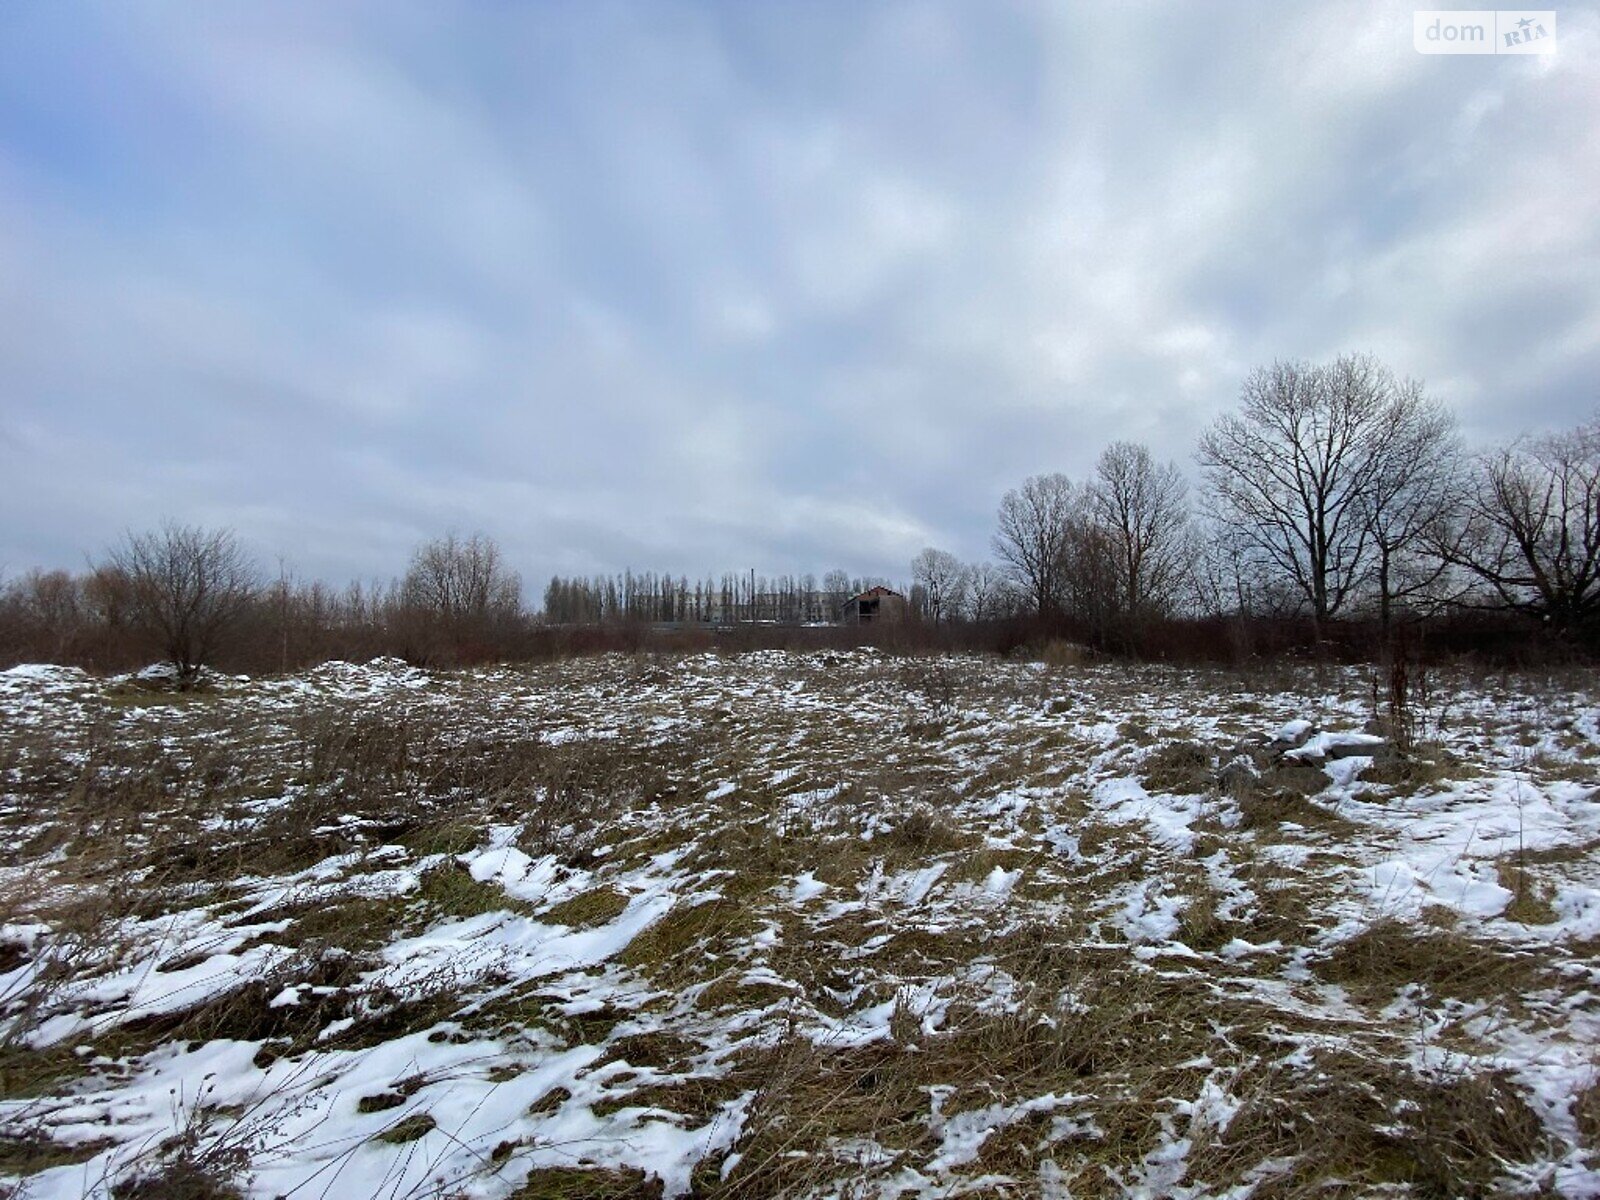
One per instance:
(1415,489)
(1530,527)
(1142,511)
(986,592)
(48,610)
(463,583)
(1035,523)
(1292,472)
(943,578)
(836,590)
(1221,580)
(1088,573)
(187,588)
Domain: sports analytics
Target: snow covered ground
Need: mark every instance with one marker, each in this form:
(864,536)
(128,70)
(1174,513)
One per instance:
(777,924)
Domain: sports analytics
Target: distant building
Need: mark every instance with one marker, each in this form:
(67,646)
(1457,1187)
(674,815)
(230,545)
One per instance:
(873,605)
(770,608)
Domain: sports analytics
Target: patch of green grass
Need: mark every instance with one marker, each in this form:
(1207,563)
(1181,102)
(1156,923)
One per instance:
(123,696)
(357,924)
(417,1125)
(27,1072)
(688,936)
(451,890)
(442,837)
(29,1154)
(597,906)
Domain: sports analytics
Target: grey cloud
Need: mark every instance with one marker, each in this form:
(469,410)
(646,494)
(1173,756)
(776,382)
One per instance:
(699,288)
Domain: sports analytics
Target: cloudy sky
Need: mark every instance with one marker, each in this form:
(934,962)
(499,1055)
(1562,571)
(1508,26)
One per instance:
(714,286)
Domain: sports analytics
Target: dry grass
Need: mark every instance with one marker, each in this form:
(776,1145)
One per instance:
(1128,1039)
(577,1183)
(450,891)
(1351,1125)
(921,831)
(1184,768)
(407,1129)
(690,942)
(1284,794)
(28,1154)
(1531,901)
(355,924)
(594,907)
(181,1181)
(1390,955)
(1586,1112)
(1201,926)
(1406,775)
(1036,993)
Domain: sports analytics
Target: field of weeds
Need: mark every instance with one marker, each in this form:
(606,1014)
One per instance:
(798,925)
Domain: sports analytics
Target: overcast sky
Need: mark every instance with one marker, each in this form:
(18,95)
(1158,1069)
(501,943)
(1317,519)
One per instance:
(699,287)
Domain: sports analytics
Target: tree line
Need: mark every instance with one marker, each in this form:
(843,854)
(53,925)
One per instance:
(729,598)
(194,597)
(1332,493)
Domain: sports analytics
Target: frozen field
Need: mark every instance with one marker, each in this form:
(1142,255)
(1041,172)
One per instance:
(830,925)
